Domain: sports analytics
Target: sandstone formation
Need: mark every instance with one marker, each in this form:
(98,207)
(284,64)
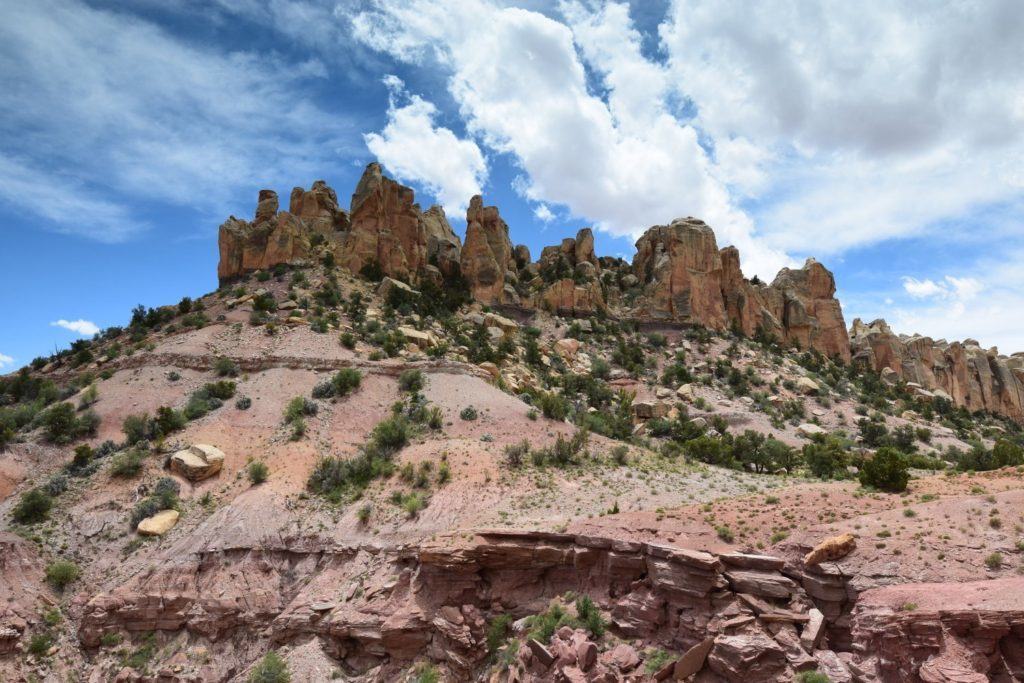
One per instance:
(488,260)
(961,372)
(568,275)
(384,228)
(740,617)
(686,278)
(197,462)
(275,237)
(388,229)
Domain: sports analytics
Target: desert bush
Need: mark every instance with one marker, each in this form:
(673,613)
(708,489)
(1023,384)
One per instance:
(271,669)
(225,367)
(127,464)
(33,507)
(411,380)
(469,413)
(62,573)
(886,471)
(258,472)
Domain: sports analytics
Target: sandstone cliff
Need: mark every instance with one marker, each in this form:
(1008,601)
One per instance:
(568,277)
(961,372)
(275,237)
(384,228)
(488,260)
(686,278)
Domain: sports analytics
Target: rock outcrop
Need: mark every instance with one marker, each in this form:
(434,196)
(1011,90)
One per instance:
(735,616)
(943,632)
(275,237)
(961,372)
(687,279)
(488,260)
(568,276)
(388,229)
(384,229)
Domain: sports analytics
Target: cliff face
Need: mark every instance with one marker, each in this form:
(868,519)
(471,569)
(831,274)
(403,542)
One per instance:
(275,237)
(570,275)
(384,226)
(686,278)
(961,372)
(487,259)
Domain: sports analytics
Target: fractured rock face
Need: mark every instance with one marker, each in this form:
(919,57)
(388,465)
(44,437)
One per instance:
(570,275)
(687,279)
(961,372)
(487,255)
(681,269)
(386,229)
(275,237)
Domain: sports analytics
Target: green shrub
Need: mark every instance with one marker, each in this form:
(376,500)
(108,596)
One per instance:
(33,507)
(225,367)
(135,428)
(590,616)
(222,389)
(411,380)
(469,413)
(389,436)
(498,632)
(243,403)
(164,497)
(345,381)
(348,340)
(63,426)
(886,471)
(258,472)
(62,573)
(127,464)
(826,458)
(811,677)
(40,644)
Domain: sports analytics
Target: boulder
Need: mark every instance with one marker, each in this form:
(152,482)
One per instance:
(646,410)
(807,386)
(389,285)
(749,657)
(692,660)
(421,339)
(831,549)
(197,462)
(765,584)
(810,430)
(159,524)
(567,348)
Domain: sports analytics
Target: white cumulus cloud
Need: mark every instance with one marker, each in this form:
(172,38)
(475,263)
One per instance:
(84,328)
(543,213)
(414,149)
(625,162)
(956,288)
(5,360)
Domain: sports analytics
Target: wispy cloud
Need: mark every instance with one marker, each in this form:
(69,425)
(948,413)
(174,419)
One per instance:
(111,110)
(543,213)
(5,360)
(84,328)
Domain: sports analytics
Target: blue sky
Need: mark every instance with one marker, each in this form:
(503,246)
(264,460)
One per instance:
(877,137)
